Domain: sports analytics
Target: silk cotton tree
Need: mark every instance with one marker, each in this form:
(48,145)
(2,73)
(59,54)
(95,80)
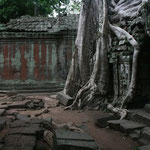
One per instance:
(88,78)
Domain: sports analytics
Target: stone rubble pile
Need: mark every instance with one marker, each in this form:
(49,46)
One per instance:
(136,126)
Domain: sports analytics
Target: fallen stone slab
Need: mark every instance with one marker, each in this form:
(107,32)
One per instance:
(3,106)
(2,111)
(18,98)
(115,124)
(64,99)
(129,126)
(42,145)
(147,108)
(67,134)
(143,141)
(76,145)
(126,126)
(135,134)
(32,130)
(20,140)
(140,115)
(19,105)
(69,140)
(35,121)
(145,147)
(11,93)
(18,123)
(18,148)
(23,117)
(103,119)
(145,136)
(146,133)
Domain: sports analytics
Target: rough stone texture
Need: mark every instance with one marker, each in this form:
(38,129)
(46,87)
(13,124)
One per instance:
(129,126)
(64,99)
(120,59)
(115,124)
(11,93)
(20,140)
(74,141)
(18,123)
(41,51)
(145,136)
(140,115)
(102,120)
(2,124)
(41,145)
(23,135)
(25,130)
(2,111)
(76,145)
(135,134)
(146,147)
(125,125)
(18,148)
(147,108)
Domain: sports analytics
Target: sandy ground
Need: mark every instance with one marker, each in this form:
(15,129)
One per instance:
(106,138)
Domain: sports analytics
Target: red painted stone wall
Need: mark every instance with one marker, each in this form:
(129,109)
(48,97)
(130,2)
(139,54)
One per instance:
(38,62)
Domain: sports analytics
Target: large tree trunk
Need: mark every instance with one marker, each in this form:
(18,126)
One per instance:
(88,78)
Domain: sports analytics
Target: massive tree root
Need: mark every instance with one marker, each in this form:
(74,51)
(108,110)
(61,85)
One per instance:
(92,90)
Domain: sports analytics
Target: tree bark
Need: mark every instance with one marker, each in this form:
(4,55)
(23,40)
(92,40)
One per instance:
(88,78)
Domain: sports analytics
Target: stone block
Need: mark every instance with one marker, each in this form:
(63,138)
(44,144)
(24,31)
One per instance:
(145,147)
(143,141)
(18,123)
(129,126)
(32,130)
(2,124)
(20,140)
(70,140)
(115,124)
(23,118)
(76,145)
(147,108)
(141,115)
(64,99)
(66,134)
(146,133)
(18,148)
(135,134)
(11,93)
(35,121)
(2,111)
(103,119)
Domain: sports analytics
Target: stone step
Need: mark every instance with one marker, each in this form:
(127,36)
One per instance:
(141,116)
(69,140)
(126,126)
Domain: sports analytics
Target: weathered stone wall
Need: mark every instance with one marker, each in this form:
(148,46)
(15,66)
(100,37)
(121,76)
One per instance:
(120,58)
(35,59)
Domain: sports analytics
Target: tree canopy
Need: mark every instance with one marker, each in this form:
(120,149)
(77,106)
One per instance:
(11,9)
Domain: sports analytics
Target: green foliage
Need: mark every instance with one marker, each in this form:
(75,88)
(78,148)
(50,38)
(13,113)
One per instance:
(76,5)
(10,9)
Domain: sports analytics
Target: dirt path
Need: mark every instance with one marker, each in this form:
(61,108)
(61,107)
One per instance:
(106,138)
